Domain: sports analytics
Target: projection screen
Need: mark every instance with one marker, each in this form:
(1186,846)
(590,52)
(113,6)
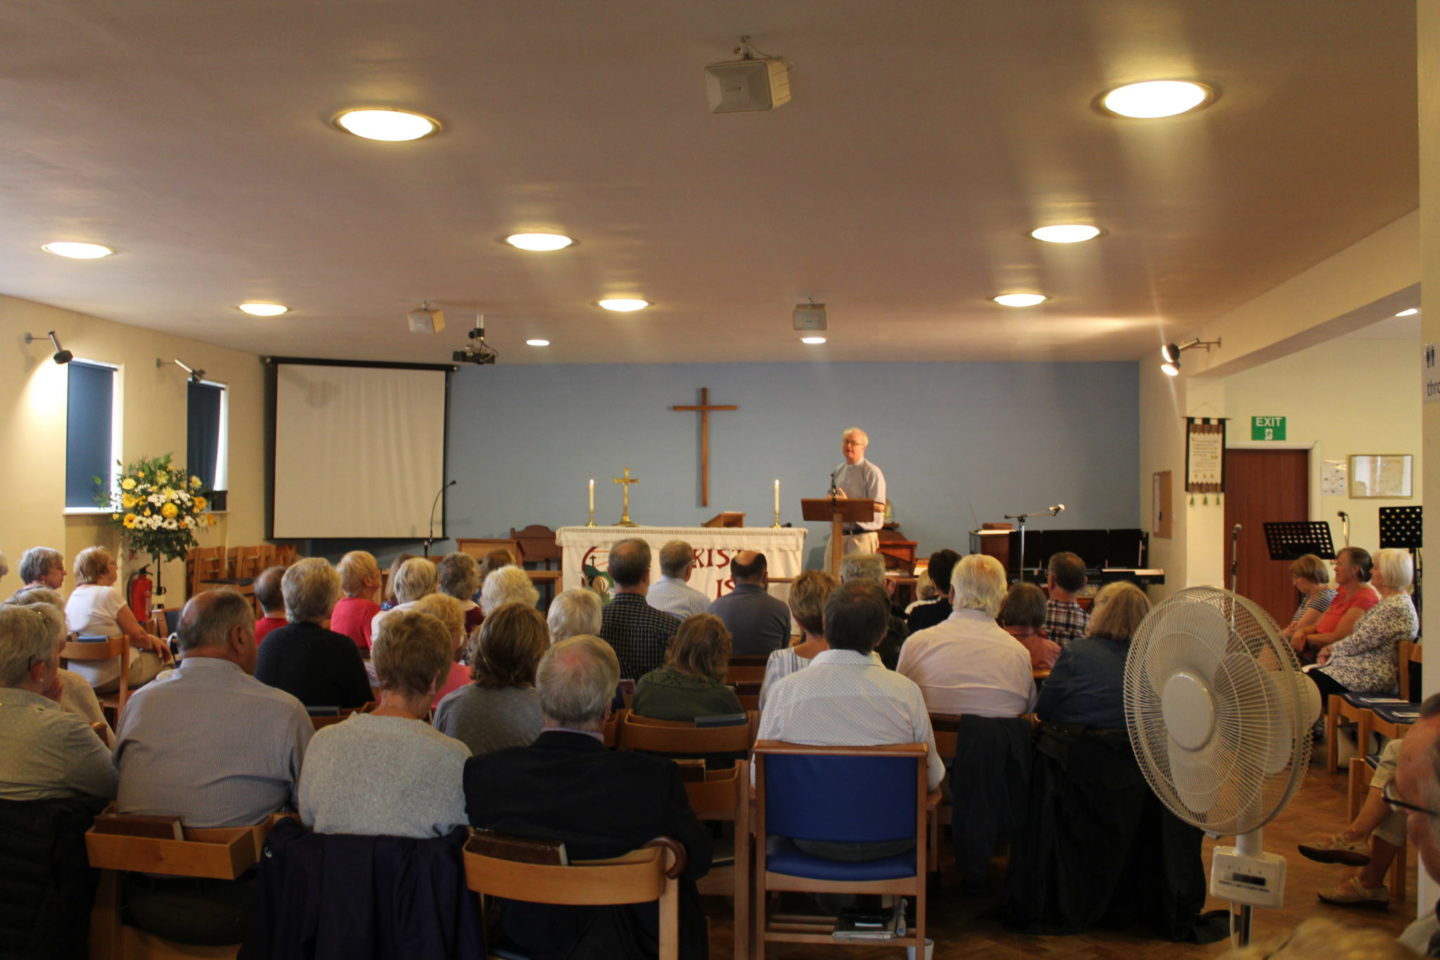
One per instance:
(358,450)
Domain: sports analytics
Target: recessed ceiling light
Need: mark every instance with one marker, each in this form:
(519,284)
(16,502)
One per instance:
(537,342)
(1408,313)
(624,304)
(1152,99)
(1066,233)
(813,341)
(378,123)
(539,242)
(263,309)
(1020,299)
(77,251)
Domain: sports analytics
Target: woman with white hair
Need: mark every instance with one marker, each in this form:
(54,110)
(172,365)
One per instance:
(41,567)
(76,694)
(1364,662)
(415,578)
(312,663)
(96,609)
(507,585)
(575,612)
(459,577)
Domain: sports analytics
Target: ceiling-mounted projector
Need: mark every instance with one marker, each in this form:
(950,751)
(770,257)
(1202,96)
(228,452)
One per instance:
(754,82)
(426,320)
(808,316)
(476,349)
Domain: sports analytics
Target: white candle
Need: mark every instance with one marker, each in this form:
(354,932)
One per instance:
(592,494)
(777,497)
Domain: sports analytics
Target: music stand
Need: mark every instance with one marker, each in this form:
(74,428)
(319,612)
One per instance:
(1403,528)
(1292,539)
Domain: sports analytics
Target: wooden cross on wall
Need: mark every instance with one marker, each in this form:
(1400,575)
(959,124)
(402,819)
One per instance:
(704,408)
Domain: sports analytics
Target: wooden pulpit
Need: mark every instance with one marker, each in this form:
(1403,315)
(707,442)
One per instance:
(838,511)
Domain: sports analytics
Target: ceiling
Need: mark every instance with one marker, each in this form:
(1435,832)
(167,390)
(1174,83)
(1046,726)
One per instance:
(924,140)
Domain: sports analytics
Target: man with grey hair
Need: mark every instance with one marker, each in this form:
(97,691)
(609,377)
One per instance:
(671,593)
(304,658)
(968,665)
(215,747)
(871,567)
(566,786)
(860,479)
(46,753)
(639,633)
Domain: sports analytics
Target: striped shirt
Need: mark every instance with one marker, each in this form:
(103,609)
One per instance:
(211,745)
(638,632)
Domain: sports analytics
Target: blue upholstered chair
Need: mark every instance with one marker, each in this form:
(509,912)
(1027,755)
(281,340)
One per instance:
(837,795)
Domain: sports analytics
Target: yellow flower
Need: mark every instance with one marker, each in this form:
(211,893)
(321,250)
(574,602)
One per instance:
(129,521)
(114,516)
(168,493)
(127,501)
(169,511)
(195,483)
(162,477)
(200,504)
(128,483)
(147,511)
(140,474)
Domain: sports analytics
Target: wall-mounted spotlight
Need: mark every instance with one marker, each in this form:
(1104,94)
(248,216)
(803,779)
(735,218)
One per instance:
(1170,353)
(61,354)
(195,375)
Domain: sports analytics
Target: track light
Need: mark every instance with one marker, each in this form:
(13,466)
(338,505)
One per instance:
(196,375)
(1170,353)
(61,354)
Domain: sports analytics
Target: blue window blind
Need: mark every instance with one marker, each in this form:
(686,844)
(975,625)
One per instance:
(202,453)
(89,416)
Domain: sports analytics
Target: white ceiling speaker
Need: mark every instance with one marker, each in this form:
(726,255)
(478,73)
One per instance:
(754,82)
(426,320)
(808,316)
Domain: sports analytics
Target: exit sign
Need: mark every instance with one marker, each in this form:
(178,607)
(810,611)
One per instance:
(1267,428)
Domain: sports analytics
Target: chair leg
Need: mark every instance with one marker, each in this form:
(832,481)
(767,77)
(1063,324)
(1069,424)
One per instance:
(1356,787)
(1332,726)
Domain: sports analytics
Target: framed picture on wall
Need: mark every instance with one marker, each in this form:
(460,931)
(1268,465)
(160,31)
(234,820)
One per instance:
(1381,476)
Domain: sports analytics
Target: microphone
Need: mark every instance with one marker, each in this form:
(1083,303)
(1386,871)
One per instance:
(435,503)
(1056,510)
(1344,516)
(833,474)
(1235,530)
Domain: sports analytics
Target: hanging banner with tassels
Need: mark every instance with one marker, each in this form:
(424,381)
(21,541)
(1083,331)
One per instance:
(1205,455)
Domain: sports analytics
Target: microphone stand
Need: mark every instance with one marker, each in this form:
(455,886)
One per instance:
(1345,526)
(433,504)
(1235,558)
(1021,518)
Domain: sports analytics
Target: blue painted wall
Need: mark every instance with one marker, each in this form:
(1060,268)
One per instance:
(959,443)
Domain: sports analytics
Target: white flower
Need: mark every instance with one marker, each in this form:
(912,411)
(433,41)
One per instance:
(171,525)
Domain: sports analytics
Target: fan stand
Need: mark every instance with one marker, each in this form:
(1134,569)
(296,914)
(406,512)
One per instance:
(1248,845)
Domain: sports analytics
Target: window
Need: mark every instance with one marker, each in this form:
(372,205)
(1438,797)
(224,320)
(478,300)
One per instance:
(91,432)
(207,432)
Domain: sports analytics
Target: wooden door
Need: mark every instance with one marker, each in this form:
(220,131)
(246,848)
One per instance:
(1264,486)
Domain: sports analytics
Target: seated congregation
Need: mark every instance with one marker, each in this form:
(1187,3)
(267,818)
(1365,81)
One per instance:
(371,740)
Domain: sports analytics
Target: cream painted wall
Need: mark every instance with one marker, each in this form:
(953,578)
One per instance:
(1378,412)
(32,427)
(1162,447)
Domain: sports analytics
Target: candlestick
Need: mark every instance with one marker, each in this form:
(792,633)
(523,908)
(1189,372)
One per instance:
(776,524)
(592,522)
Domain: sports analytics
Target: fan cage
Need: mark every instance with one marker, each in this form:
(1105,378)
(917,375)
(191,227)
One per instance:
(1259,746)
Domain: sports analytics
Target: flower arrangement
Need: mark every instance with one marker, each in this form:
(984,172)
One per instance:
(157,507)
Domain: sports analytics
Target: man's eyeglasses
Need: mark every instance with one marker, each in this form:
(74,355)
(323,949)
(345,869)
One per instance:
(1397,805)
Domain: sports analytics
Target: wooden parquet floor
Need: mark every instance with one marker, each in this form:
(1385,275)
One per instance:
(962,930)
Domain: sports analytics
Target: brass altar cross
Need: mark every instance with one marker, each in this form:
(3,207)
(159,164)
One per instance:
(625,483)
(704,409)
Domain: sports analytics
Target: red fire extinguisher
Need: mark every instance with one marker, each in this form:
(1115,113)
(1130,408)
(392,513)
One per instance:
(138,589)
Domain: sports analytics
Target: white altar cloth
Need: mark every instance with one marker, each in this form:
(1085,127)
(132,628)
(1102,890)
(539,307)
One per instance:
(784,551)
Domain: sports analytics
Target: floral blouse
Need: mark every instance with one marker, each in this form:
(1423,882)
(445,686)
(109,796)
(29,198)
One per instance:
(1365,661)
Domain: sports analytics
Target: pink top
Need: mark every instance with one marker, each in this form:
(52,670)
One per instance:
(264,625)
(1043,651)
(459,676)
(352,616)
(1360,595)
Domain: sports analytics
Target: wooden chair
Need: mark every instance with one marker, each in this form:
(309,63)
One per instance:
(947,740)
(1358,787)
(1410,652)
(746,669)
(108,649)
(477,547)
(322,720)
(650,873)
(860,793)
(537,545)
(682,739)
(119,843)
(724,796)
(611,730)
(203,563)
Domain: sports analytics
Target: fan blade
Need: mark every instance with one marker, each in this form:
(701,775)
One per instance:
(1196,775)
(1193,639)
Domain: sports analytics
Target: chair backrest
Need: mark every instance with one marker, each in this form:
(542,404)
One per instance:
(537,544)
(722,795)
(947,733)
(124,842)
(746,669)
(1409,653)
(840,794)
(683,739)
(636,877)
